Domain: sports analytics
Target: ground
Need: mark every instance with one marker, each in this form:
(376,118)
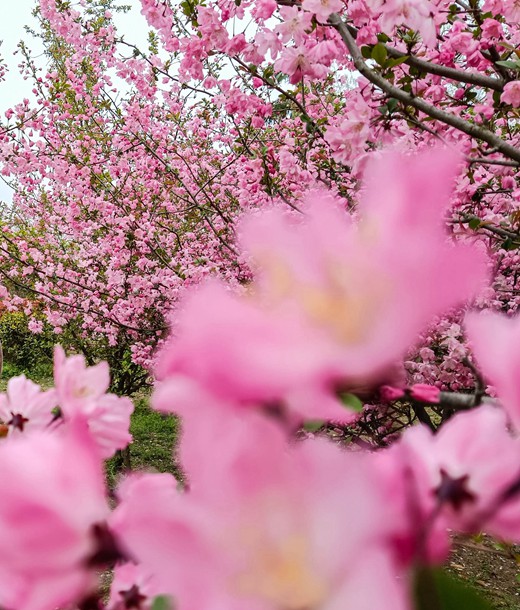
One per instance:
(490,567)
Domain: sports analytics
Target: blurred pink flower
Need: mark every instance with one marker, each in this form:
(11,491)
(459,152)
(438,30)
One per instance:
(511,94)
(53,503)
(367,288)
(76,383)
(246,355)
(305,534)
(132,587)
(495,341)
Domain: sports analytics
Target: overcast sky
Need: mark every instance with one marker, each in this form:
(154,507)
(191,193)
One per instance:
(15,15)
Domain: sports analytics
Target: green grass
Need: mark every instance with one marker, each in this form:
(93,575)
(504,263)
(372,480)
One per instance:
(155,436)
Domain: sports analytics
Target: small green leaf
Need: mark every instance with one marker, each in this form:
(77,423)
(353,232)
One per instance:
(508,64)
(392,63)
(474,223)
(366,51)
(351,401)
(379,53)
(437,590)
(392,104)
(162,602)
(509,244)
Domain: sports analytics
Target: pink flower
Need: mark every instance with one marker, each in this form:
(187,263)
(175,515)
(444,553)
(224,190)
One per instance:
(365,291)
(81,392)
(295,62)
(389,393)
(495,340)
(52,511)
(295,23)
(25,407)
(511,94)
(322,8)
(306,534)
(425,393)
(416,14)
(132,587)
(243,354)
(77,384)
(463,472)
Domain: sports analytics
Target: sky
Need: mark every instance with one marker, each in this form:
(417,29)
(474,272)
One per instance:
(14,16)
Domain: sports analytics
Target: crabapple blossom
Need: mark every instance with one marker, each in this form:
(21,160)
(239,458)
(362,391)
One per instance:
(25,407)
(463,474)
(132,587)
(268,542)
(81,391)
(511,94)
(494,340)
(53,506)
(349,281)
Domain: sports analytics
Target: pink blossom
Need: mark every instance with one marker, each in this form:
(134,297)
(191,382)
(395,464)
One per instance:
(389,393)
(295,62)
(75,382)
(53,505)
(425,393)
(495,342)
(322,8)
(416,14)
(511,94)
(463,472)
(244,354)
(25,407)
(295,23)
(81,390)
(304,534)
(353,282)
(132,587)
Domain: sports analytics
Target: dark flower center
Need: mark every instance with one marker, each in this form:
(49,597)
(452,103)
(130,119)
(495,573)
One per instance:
(18,421)
(454,491)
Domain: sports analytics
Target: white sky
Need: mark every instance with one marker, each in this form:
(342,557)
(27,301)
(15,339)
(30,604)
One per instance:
(14,15)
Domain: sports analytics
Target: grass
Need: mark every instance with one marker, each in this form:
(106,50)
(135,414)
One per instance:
(155,436)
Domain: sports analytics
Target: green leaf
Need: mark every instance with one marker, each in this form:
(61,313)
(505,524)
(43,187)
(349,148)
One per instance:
(366,51)
(509,64)
(379,53)
(351,401)
(313,425)
(392,63)
(437,590)
(474,223)
(509,244)
(382,37)
(162,602)
(392,104)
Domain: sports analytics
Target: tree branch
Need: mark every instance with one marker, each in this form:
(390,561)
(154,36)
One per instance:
(470,129)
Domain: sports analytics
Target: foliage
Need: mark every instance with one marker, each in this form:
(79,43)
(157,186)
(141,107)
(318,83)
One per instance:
(25,351)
